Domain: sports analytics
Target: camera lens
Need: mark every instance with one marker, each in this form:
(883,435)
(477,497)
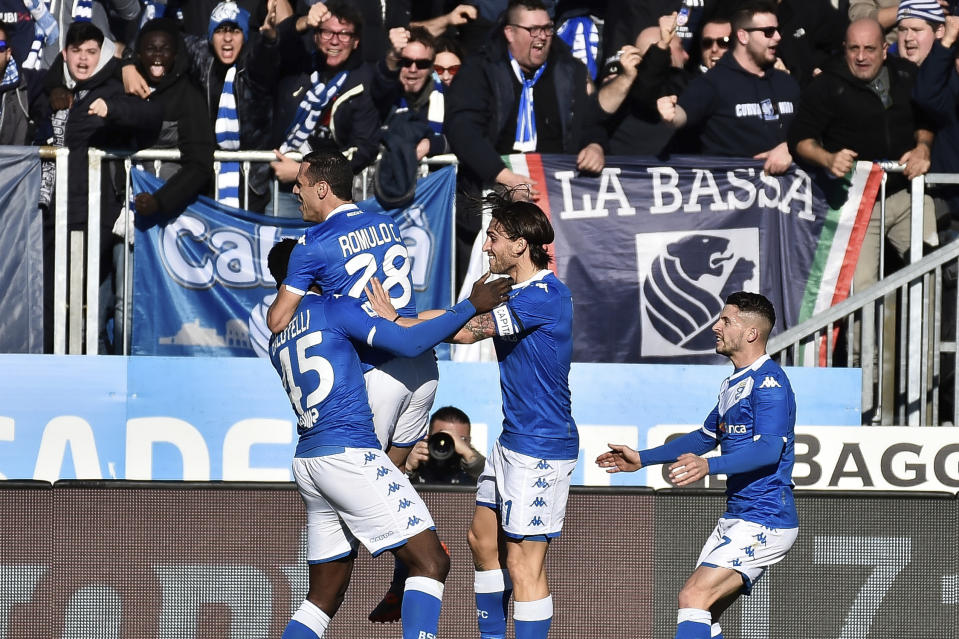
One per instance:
(440,446)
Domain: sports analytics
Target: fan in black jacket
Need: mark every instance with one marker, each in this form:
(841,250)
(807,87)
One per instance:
(162,60)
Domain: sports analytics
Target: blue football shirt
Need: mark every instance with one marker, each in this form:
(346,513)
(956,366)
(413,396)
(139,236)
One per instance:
(534,346)
(317,361)
(758,400)
(344,252)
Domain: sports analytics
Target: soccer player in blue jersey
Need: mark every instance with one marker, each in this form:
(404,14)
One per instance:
(352,492)
(341,252)
(753,424)
(521,495)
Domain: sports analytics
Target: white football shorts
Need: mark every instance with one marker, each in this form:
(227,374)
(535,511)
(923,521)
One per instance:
(529,492)
(746,547)
(354,496)
(401,395)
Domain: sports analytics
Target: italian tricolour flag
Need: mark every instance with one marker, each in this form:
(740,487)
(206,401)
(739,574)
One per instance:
(839,243)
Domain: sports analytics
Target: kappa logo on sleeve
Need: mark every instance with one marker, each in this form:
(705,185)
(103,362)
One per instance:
(770,382)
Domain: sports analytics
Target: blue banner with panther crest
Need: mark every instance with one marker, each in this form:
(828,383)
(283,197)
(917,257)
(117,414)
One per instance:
(651,251)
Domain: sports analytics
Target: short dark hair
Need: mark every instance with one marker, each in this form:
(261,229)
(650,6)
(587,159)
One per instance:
(80,32)
(509,15)
(330,166)
(6,30)
(424,37)
(522,219)
(754,304)
(742,18)
(445,43)
(450,414)
(278,259)
(345,11)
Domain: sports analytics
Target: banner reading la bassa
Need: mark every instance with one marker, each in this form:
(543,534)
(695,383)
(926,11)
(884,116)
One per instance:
(650,252)
(202,286)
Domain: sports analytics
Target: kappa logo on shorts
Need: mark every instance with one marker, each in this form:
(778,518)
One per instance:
(761,538)
(393,487)
(541,483)
(684,279)
(412,521)
(750,550)
(536,521)
(770,382)
(404,503)
(736,562)
(369,457)
(382,471)
(539,502)
(543,465)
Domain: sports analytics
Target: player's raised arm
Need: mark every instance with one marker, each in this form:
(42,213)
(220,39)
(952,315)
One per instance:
(411,341)
(479,327)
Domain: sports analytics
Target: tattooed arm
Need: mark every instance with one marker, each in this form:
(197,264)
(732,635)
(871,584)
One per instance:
(478,328)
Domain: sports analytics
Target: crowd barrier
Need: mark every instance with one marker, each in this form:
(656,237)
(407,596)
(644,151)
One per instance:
(104,560)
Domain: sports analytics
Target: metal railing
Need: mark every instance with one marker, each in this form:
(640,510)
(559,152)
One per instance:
(78,316)
(902,378)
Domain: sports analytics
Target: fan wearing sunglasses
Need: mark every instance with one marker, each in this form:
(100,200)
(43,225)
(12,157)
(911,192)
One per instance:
(743,104)
(403,82)
(715,40)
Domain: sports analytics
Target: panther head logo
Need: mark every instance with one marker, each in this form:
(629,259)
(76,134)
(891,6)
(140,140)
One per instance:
(679,304)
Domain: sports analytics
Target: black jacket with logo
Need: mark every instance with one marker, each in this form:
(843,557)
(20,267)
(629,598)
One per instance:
(742,114)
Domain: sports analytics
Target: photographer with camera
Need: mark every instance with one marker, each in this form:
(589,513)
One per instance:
(446,456)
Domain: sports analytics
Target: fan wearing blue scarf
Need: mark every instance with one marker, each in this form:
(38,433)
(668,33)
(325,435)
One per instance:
(324,98)
(21,96)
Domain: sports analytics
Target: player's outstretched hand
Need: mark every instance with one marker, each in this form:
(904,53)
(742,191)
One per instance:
(487,295)
(380,300)
(688,469)
(619,458)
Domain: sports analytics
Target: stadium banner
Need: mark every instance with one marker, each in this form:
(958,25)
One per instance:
(202,286)
(872,458)
(197,419)
(21,251)
(651,251)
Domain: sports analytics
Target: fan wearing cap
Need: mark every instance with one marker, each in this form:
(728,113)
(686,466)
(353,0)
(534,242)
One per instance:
(919,23)
(885,12)
(236,69)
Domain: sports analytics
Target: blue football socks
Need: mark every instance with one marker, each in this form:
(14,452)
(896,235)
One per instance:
(532,619)
(493,589)
(422,599)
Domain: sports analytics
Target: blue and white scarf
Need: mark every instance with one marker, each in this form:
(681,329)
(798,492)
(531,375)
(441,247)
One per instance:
(582,36)
(82,10)
(310,109)
(227,131)
(45,31)
(436,106)
(526,116)
(11,76)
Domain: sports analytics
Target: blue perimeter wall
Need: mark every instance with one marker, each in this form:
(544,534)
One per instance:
(209,419)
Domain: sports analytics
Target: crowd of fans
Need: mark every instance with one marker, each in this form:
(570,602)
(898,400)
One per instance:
(807,81)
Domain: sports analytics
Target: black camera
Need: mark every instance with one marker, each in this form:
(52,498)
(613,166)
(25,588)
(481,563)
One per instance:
(441,446)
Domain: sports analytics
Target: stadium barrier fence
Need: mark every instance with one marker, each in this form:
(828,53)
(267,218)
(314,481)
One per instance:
(179,559)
